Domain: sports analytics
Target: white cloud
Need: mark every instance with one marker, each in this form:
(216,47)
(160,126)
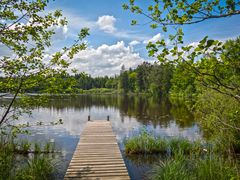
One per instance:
(106,59)
(77,22)
(134,43)
(154,39)
(61,33)
(107,23)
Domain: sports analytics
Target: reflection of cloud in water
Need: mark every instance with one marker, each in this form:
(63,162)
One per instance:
(124,126)
(127,114)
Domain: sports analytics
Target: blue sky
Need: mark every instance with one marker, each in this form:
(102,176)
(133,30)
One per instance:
(114,42)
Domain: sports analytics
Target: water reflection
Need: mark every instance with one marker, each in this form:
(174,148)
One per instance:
(128,115)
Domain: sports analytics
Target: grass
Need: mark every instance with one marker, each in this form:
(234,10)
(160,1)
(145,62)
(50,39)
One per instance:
(186,160)
(146,143)
(38,168)
(176,169)
(6,160)
(15,165)
(182,167)
(37,148)
(25,147)
(185,146)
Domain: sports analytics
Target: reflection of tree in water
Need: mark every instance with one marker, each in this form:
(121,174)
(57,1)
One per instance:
(144,109)
(146,159)
(181,114)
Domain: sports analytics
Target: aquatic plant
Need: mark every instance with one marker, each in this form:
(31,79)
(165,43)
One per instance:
(24,147)
(47,147)
(145,143)
(175,168)
(6,160)
(37,148)
(38,168)
(210,167)
(15,166)
(185,146)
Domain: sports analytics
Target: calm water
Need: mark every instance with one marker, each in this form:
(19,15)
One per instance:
(128,114)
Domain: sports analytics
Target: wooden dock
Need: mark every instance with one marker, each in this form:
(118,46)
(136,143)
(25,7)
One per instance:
(97,155)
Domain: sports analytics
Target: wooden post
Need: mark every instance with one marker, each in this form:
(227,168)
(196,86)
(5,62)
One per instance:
(89,118)
(107,118)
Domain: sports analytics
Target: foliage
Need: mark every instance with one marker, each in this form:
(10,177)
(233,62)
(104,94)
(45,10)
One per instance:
(154,79)
(183,83)
(211,53)
(26,30)
(216,106)
(124,80)
(181,12)
(219,118)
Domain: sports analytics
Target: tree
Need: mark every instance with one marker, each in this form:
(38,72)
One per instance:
(132,80)
(124,80)
(212,66)
(174,14)
(26,30)
(183,82)
(143,71)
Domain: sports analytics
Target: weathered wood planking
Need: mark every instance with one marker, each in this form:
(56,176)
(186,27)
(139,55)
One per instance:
(97,155)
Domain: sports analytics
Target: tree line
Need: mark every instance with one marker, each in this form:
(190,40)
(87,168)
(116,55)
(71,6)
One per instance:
(146,78)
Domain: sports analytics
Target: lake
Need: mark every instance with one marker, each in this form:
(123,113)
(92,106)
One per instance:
(128,115)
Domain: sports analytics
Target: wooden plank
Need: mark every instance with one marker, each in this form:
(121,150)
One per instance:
(97,155)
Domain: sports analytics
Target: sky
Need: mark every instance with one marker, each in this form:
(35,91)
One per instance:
(113,42)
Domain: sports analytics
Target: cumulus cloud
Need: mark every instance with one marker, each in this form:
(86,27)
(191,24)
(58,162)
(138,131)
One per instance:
(154,39)
(106,59)
(61,33)
(134,43)
(76,22)
(107,23)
